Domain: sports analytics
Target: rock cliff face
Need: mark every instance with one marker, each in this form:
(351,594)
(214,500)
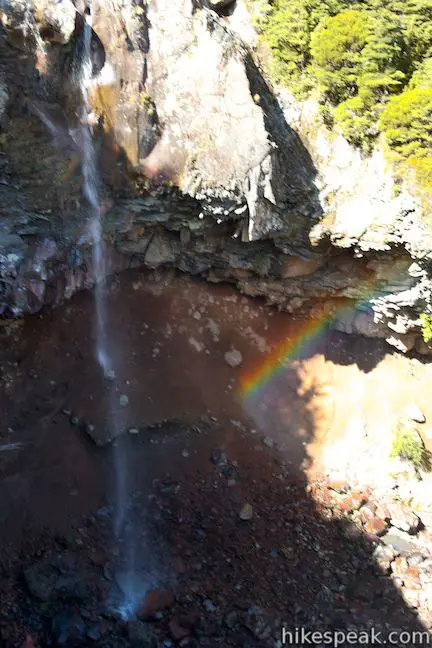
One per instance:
(203,168)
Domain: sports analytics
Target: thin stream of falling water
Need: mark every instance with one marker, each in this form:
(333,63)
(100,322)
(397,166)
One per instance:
(90,190)
(131,583)
(123,528)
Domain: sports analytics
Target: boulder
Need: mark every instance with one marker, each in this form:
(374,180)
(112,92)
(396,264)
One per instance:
(371,522)
(414,413)
(56,20)
(402,542)
(384,556)
(246,512)
(154,601)
(422,347)
(234,358)
(402,517)
(50,580)
(403,343)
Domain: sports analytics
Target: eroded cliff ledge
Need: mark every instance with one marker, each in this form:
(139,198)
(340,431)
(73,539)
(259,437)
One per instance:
(203,166)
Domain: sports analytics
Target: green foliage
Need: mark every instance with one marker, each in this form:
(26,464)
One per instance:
(426,326)
(288,36)
(406,122)
(422,77)
(357,119)
(359,58)
(422,168)
(287,30)
(408,445)
(336,48)
(365,58)
(417,20)
(407,125)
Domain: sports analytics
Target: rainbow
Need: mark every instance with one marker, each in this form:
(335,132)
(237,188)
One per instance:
(292,347)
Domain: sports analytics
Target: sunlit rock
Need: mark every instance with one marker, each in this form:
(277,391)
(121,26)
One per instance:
(403,343)
(402,517)
(56,20)
(414,413)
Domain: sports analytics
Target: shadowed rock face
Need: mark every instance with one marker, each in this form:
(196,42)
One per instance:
(204,168)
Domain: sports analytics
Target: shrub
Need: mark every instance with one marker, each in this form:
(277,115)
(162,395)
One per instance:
(358,120)
(287,34)
(422,77)
(336,48)
(426,326)
(406,122)
(407,125)
(417,20)
(359,48)
(359,58)
(287,30)
(408,446)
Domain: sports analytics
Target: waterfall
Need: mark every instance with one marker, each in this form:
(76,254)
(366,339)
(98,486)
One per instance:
(91,194)
(123,528)
(132,583)
(90,190)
